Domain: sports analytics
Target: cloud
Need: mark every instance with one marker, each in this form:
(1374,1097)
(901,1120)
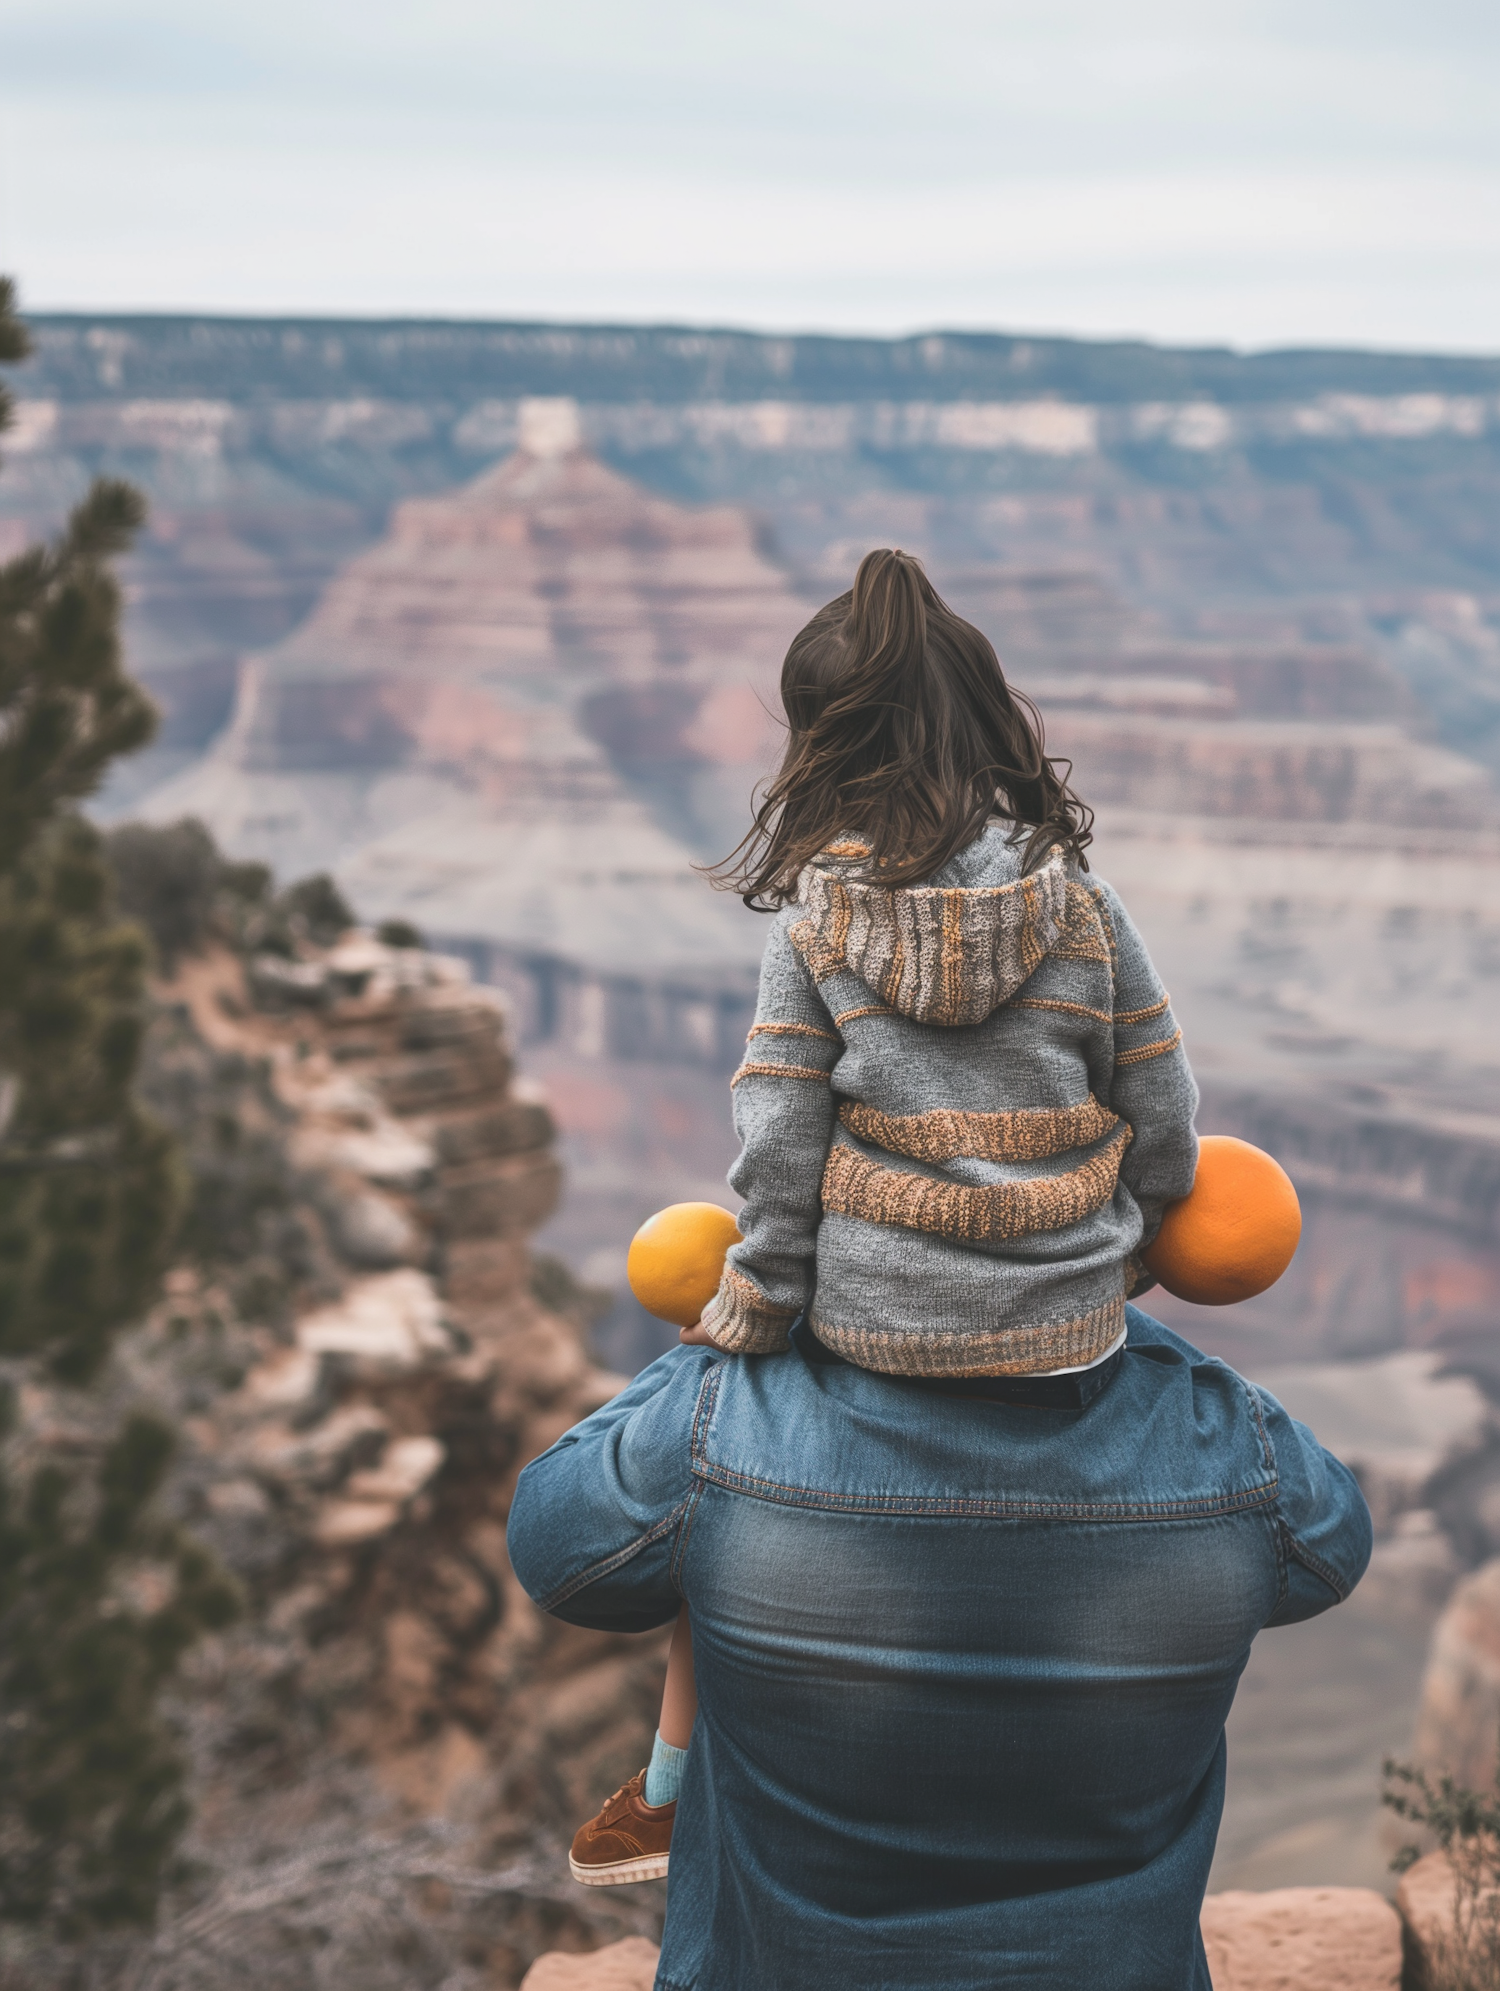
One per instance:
(1256,173)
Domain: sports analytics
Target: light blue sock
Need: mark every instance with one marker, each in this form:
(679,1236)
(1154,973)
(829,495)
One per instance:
(664,1773)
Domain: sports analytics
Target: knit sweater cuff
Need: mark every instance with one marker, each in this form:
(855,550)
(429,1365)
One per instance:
(742,1321)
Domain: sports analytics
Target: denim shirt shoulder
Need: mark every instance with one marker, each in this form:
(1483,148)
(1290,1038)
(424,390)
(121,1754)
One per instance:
(1176,1435)
(599,1515)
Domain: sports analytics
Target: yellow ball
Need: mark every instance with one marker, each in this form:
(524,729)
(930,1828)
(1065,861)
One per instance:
(676,1258)
(1234,1233)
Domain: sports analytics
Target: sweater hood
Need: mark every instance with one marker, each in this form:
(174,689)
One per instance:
(947,952)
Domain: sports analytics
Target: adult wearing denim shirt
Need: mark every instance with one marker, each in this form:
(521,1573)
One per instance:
(964,1651)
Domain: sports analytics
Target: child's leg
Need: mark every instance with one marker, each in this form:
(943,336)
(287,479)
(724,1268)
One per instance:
(631,1838)
(679,1709)
(679,1701)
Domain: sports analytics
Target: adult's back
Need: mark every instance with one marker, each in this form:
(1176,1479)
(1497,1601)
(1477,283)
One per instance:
(963,1665)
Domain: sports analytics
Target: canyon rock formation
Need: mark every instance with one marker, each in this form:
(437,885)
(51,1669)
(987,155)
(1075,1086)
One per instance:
(520,716)
(514,721)
(391,1750)
(1256,597)
(440,727)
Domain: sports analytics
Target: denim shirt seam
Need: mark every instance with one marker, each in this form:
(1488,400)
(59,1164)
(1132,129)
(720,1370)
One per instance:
(1311,1560)
(938,1506)
(1258,1410)
(684,1536)
(703,1410)
(610,1563)
(1282,1535)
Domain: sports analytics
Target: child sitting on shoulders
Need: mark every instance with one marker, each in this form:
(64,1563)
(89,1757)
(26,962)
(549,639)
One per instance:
(964,1104)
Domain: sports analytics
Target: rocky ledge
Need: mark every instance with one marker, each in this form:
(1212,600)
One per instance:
(392,1748)
(1292,1939)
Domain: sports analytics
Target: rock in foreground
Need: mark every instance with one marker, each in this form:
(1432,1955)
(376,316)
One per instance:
(1293,1939)
(1452,1937)
(626,1966)
(1303,1939)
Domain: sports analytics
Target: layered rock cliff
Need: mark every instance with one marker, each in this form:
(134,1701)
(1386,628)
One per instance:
(518,718)
(1256,599)
(440,726)
(391,1750)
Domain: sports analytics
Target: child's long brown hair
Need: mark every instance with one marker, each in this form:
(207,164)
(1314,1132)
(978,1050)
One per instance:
(904,733)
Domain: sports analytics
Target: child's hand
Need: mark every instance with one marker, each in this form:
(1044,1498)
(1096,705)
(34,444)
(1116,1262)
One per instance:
(696,1336)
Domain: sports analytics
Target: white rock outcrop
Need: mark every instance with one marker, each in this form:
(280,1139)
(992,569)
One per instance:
(392,1321)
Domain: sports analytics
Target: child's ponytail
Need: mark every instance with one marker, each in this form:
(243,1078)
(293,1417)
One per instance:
(904,733)
(888,614)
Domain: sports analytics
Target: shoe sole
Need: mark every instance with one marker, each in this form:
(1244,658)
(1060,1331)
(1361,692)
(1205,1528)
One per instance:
(650,1866)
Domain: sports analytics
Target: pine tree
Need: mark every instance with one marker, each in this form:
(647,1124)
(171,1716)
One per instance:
(90,1188)
(87,1185)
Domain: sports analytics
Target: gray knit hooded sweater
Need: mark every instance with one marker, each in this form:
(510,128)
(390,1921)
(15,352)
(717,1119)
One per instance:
(963,1107)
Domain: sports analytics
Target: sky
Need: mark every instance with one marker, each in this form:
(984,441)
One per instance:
(1285,173)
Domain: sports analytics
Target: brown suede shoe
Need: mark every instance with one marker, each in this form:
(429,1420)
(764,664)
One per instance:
(629,1840)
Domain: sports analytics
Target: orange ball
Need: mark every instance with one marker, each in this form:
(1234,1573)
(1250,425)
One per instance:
(676,1258)
(1234,1234)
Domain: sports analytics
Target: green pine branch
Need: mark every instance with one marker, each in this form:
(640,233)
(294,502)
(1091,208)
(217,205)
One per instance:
(15,342)
(67,706)
(91,1188)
